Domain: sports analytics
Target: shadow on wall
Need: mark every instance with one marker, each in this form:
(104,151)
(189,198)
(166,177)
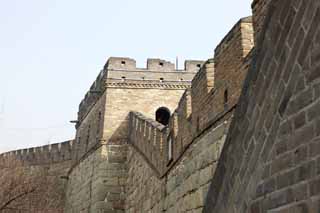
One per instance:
(120,135)
(271,159)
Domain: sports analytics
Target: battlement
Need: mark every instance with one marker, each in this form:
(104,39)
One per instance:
(123,72)
(241,35)
(48,154)
(160,65)
(208,104)
(153,65)
(120,63)
(149,136)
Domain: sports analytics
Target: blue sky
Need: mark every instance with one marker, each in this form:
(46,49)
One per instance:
(51,52)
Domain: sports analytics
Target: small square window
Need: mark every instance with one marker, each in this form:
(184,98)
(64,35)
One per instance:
(123,63)
(161,64)
(199,65)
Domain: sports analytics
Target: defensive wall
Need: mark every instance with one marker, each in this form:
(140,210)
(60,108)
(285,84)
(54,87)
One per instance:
(170,168)
(243,135)
(270,160)
(52,163)
(43,155)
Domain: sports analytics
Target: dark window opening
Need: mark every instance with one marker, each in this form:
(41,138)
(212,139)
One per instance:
(123,62)
(198,124)
(163,115)
(88,133)
(199,65)
(98,124)
(88,138)
(161,64)
(226,96)
(161,79)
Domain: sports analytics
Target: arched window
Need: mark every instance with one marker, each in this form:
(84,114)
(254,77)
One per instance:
(163,115)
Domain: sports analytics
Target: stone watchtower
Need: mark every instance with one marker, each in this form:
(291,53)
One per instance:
(97,178)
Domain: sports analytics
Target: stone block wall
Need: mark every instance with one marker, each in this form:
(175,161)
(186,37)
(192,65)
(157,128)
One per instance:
(270,161)
(184,188)
(97,183)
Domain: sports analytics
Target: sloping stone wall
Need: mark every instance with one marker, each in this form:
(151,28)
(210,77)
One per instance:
(184,188)
(270,161)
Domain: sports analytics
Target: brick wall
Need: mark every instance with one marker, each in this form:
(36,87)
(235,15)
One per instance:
(96,184)
(184,188)
(270,161)
(158,183)
(121,99)
(222,76)
(102,131)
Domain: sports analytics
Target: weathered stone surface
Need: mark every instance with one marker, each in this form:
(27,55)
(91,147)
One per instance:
(286,155)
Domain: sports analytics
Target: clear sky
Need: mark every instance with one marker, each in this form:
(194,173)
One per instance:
(52,50)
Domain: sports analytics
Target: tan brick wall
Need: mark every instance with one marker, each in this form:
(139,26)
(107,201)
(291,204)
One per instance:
(120,101)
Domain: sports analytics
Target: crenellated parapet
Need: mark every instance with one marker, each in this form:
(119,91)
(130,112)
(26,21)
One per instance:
(92,96)
(148,136)
(43,155)
(153,65)
(208,103)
